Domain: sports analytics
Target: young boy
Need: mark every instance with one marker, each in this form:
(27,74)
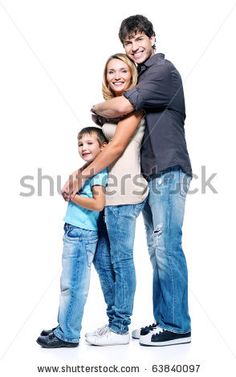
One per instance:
(79,246)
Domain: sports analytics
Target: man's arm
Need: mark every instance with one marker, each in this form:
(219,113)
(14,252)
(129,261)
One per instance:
(113,108)
(153,93)
(111,152)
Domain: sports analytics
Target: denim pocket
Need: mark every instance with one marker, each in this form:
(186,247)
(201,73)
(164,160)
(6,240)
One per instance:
(137,208)
(90,248)
(184,180)
(71,232)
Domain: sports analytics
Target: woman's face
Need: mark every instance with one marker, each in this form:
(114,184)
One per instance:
(118,76)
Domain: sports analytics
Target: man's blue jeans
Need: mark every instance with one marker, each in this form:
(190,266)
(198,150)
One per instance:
(79,246)
(163,217)
(115,265)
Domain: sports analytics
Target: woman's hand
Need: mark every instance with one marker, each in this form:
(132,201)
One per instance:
(72,185)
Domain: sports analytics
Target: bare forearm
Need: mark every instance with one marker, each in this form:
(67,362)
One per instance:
(89,203)
(113,108)
(124,132)
(109,154)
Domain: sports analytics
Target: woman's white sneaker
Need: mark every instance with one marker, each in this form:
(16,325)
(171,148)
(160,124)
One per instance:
(100,331)
(109,338)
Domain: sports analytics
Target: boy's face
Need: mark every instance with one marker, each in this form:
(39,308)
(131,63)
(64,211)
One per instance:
(89,147)
(139,47)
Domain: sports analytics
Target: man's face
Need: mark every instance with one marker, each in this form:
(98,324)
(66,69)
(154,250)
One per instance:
(139,47)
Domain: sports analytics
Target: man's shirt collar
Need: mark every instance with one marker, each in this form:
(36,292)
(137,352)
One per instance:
(151,61)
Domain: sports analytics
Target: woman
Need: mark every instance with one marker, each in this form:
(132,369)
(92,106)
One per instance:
(125,197)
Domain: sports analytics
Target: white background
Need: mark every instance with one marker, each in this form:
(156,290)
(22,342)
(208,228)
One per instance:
(51,61)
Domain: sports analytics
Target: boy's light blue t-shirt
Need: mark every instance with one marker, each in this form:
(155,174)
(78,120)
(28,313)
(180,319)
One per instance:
(82,217)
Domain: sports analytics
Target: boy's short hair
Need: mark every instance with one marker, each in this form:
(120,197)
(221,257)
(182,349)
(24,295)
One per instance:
(133,25)
(93,130)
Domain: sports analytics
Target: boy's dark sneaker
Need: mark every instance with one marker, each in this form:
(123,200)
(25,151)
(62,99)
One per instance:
(47,332)
(51,341)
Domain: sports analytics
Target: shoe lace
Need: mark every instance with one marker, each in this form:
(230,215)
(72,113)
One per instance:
(105,333)
(149,327)
(102,330)
(158,331)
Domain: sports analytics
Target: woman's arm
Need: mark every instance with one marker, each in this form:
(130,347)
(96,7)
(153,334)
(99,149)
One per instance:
(124,132)
(96,203)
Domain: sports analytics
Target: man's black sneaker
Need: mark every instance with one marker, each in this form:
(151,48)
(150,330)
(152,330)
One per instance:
(143,331)
(162,337)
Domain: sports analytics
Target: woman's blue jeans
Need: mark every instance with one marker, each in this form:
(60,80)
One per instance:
(79,246)
(115,265)
(163,217)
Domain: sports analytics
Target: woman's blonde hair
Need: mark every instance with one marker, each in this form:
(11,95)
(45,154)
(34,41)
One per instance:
(106,91)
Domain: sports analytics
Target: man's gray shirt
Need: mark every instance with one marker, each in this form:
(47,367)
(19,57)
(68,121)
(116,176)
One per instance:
(159,93)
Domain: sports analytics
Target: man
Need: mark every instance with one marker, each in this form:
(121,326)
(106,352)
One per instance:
(166,165)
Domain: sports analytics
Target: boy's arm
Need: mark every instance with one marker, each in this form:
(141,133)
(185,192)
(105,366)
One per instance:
(96,203)
(124,132)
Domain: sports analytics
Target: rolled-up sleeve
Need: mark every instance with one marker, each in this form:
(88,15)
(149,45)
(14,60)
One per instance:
(153,92)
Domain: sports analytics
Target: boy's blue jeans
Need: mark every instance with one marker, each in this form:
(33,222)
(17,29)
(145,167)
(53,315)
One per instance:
(163,217)
(79,246)
(115,265)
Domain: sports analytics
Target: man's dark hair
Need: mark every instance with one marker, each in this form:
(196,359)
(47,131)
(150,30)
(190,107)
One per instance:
(133,25)
(93,130)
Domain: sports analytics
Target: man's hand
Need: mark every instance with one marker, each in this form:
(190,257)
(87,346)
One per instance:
(100,120)
(97,119)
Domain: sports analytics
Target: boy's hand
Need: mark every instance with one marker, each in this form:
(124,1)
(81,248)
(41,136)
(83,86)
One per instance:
(65,196)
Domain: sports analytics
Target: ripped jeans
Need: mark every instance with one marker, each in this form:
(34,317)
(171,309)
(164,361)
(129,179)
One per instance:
(163,218)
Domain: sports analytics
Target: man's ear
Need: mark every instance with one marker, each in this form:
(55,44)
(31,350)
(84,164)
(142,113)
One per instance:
(153,40)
